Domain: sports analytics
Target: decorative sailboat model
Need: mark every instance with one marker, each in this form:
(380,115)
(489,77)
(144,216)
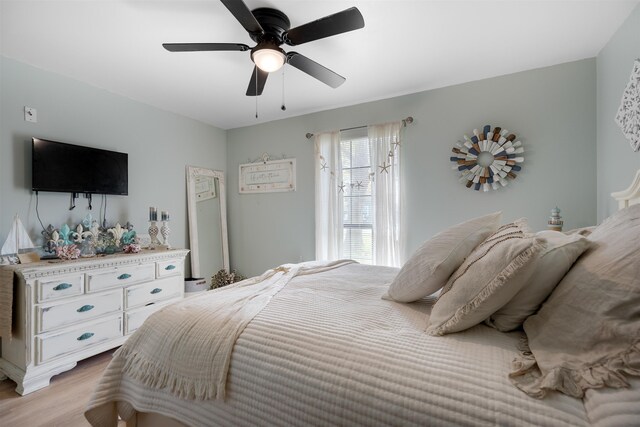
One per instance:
(18,245)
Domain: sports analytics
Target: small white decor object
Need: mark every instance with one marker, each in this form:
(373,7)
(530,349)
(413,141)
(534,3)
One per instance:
(628,116)
(555,220)
(17,240)
(165,231)
(153,234)
(195,285)
(117,233)
(268,176)
(487,159)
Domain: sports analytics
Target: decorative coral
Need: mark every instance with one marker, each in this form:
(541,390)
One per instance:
(131,248)
(67,252)
(224,278)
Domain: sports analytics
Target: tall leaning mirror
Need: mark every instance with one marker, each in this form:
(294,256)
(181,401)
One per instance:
(207,222)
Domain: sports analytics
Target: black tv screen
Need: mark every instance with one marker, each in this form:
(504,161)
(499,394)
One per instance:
(68,168)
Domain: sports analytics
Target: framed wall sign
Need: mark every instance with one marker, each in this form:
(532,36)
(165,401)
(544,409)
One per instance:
(268,176)
(205,187)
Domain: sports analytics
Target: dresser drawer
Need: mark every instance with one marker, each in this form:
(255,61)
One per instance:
(174,267)
(63,286)
(50,346)
(146,293)
(120,276)
(51,316)
(135,318)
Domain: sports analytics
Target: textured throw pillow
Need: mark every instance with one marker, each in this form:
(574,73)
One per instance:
(494,272)
(587,334)
(553,263)
(583,231)
(431,265)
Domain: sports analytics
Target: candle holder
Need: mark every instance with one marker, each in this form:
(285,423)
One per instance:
(165,230)
(153,234)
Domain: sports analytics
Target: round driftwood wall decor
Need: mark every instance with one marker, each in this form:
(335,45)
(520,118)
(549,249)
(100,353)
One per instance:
(488,159)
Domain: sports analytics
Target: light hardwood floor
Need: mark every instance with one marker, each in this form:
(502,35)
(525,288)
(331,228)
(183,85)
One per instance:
(60,404)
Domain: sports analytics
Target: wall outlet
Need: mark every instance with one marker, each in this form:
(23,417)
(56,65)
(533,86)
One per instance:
(30,115)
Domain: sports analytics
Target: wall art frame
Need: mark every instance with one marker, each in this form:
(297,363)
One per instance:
(628,115)
(488,159)
(267,176)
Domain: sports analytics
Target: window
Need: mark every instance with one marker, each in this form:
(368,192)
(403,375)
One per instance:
(357,219)
(358,194)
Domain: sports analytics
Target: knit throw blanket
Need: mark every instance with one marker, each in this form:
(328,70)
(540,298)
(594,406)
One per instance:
(186,347)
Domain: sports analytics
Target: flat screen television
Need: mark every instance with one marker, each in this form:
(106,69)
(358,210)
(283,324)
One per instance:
(68,168)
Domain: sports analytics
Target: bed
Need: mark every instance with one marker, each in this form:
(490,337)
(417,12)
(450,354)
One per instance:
(327,349)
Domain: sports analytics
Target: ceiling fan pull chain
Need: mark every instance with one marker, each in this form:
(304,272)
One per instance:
(283,108)
(256,72)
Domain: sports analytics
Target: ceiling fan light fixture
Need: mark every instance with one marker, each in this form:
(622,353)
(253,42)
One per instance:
(268,59)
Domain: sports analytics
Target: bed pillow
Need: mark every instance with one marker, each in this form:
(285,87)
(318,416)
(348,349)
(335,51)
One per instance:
(583,231)
(561,252)
(432,263)
(492,274)
(587,334)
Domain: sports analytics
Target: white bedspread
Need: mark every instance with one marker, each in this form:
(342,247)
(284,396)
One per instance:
(328,350)
(186,347)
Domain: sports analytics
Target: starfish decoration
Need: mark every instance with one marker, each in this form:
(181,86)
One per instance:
(359,184)
(385,167)
(323,167)
(341,188)
(395,144)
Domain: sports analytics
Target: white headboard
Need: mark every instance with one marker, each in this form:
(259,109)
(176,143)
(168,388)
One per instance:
(630,196)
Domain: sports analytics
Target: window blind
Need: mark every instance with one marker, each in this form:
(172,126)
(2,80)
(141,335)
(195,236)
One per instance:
(358,212)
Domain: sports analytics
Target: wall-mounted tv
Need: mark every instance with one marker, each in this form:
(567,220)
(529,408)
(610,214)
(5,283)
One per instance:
(68,168)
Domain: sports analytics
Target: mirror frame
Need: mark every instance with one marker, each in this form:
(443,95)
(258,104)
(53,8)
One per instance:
(192,172)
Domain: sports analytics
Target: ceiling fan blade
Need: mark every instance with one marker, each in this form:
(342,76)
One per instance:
(243,15)
(256,88)
(338,23)
(196,47)
(315,70)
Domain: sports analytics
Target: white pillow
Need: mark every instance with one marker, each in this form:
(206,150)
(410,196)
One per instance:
(586,334)
(561,252)
(492,274)
(432,263)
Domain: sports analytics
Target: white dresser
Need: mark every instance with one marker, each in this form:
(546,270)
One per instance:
(66,311)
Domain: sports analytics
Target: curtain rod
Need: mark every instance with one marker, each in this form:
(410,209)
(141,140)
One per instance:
(405,122)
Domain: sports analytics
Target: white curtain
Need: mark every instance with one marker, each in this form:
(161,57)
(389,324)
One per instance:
(385,158)
(329,203)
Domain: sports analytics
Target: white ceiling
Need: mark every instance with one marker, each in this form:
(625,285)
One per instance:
(405,47)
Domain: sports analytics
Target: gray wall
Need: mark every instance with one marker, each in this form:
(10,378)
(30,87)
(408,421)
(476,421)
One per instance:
(617,163)
(159,145)
(551,109)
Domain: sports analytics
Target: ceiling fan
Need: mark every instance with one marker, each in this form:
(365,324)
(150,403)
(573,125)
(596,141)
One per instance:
(269,28)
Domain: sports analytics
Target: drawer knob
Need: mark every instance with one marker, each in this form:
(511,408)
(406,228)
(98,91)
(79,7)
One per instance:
(156,290)
(62,286)
(170,267)
(85,336)
(124,276)
(85,308)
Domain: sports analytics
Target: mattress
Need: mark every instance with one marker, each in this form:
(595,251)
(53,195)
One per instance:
(327,350)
